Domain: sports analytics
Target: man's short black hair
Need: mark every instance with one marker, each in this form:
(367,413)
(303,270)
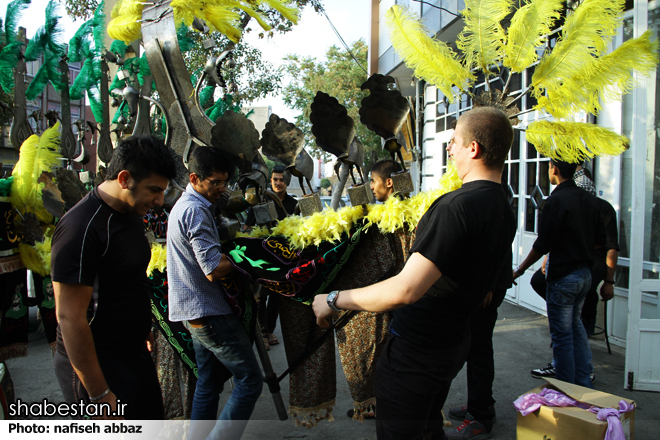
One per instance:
(278,168)
(567,170)
(141,155)
(205,161)
(385,168)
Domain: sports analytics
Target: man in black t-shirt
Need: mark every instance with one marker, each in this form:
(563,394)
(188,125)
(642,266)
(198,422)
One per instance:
(267,314)
(462,243)
(100,244)
(569,230)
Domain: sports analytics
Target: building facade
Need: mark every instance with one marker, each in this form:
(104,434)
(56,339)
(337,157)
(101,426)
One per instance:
(630,182)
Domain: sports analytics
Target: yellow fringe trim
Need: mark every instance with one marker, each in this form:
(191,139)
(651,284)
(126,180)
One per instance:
(329,225)
(312,416)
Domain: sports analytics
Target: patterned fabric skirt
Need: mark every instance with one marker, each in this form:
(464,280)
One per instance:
(177,383)
(362,339)
(312,386)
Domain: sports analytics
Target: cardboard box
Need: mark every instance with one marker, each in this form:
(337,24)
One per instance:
(558,423)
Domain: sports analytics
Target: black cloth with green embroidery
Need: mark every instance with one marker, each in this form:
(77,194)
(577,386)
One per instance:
(300,275)
(240,297)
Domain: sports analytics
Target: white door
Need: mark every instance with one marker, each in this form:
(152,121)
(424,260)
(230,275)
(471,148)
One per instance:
(643,339)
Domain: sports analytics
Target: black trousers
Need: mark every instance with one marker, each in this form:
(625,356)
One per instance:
(267,313)
(132,378)
(480,363)
(412,383)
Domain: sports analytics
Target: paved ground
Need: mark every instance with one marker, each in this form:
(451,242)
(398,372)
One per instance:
(521,343)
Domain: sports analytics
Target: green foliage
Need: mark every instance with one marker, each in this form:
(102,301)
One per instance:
(256,78)
(325,183)
(340,77)
(83,9)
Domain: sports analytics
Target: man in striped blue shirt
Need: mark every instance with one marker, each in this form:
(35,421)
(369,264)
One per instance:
(195,264)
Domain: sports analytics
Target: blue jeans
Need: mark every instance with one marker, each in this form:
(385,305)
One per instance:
(224,341)
(570,346)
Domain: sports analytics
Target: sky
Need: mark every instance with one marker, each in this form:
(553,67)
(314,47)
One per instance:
(311,37)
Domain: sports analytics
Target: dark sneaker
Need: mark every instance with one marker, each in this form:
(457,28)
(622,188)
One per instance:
(459,413)
(468,430)
(592,376)
(542,373)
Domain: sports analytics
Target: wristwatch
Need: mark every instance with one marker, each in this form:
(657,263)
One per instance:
(609,281)
(332,299)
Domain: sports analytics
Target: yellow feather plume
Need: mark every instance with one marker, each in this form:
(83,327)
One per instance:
(249,9)
(574,141)
(115,9)
(483,37)
(158,259)
(586,33)
(528,27)
(219,15)
(125,25)
(603,79)
(330,225)
(37,257)
(291,13)
(36,155)
(432,60)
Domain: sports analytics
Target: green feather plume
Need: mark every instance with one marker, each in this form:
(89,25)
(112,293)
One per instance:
(12,17)
(121,111)
(10,52)
(574,141)
(79,46)
(46,42)
(431,59)
(98,29)
(144,69)
(94,97)
(84,80)
(49,71)
(528,27)
(118,47)
(602,79)
(46,39)
(483,37)
(220,106)
(8,59)
(205,95)
(5,186)
(87,46)
(185,42)
(587,33)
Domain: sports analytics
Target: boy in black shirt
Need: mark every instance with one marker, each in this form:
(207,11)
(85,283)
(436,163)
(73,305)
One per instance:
(569,230)
(101,242)
(462,242)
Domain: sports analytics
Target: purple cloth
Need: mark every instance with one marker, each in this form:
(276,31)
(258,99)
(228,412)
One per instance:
(611,415)
(529,403)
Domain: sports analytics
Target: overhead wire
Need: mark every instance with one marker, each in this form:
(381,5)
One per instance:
(344,42)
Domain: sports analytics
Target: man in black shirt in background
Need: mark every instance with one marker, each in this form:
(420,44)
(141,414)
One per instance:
(101,243)
(267,314)
(462,243)
(569,230)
